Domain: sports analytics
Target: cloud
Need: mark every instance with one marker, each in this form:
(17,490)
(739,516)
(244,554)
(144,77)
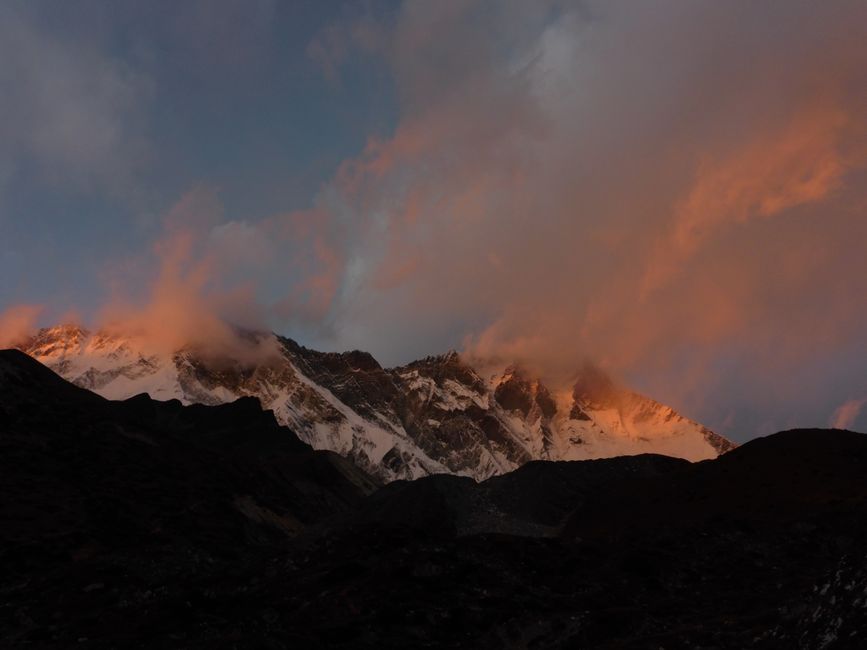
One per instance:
(71,116)
(687,203)
(208,278)
(846,414)
(675,191)
(189,302)
(801,163)
(16,323)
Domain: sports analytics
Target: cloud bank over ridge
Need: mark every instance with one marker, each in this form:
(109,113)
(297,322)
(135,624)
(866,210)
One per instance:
(675,191)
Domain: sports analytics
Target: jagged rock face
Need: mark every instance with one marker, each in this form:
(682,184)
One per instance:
(435,415)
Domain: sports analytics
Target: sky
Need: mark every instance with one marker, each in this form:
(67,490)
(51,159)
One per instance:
(675,191)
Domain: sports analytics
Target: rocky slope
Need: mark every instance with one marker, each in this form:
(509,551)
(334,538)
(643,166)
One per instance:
(144,524)
(436,415)
(72,461)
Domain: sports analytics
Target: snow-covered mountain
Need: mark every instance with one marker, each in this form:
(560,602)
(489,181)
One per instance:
(431,416)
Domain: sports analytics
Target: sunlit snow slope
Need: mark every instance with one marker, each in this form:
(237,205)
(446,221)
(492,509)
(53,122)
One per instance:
(430,416)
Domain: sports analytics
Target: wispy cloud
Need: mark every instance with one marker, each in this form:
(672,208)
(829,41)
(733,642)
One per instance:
(16,323)
(72,116)
(550,194)
(674,190)
(846,414)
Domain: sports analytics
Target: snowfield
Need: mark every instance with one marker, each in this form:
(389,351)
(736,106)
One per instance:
(436,415)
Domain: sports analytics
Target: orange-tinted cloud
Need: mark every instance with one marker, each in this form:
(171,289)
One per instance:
(16,323)
(803,162)
(846,414)
(187,303)
(676,191)
(689,202)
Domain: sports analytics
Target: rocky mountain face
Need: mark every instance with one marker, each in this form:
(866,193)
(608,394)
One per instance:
(435,415)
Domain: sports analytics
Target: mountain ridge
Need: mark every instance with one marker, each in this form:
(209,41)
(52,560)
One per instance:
(439,414)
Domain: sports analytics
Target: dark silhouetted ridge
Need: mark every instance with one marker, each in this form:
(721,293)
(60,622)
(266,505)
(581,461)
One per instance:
(24,378)
(146,524)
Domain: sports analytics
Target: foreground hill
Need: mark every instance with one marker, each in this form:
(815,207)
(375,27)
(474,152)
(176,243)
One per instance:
(82,477)
(436,415)
(142,524)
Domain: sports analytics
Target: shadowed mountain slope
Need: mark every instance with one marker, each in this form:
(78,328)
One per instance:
(763,547)
(83,475)
(144,524)
(782,479)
